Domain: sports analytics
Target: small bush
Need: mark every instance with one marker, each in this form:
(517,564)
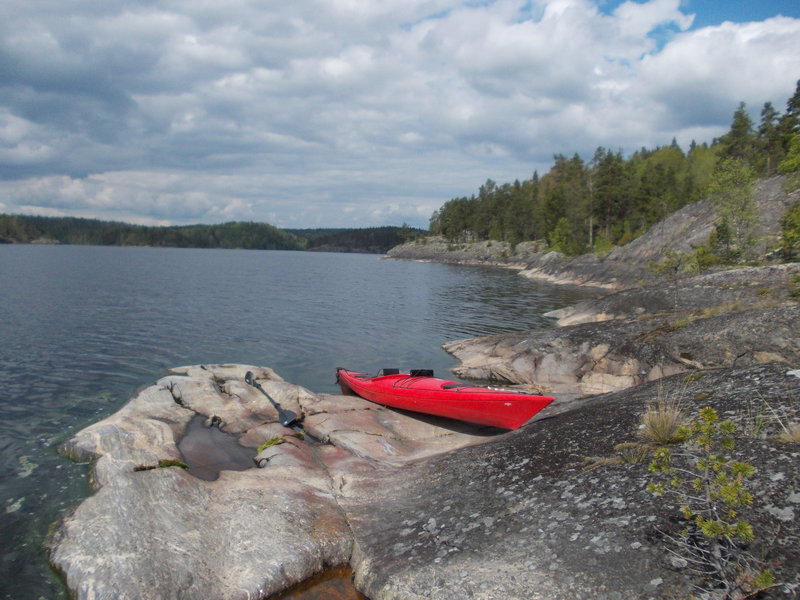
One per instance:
(164,463)
(710,490)
(794,286)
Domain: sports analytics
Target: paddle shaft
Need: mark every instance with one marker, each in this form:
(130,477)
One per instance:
(287,418)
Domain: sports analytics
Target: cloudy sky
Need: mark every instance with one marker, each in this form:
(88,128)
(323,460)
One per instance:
(356,113)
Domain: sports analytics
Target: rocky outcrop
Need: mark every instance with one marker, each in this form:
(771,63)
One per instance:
(626,266)
(425,508)
(154,529)
(438,249)
(420,508)
(717,291)
(551,511)
(598,357)
(681,232)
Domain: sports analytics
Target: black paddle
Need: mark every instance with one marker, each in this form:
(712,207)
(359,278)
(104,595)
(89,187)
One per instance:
(287,418)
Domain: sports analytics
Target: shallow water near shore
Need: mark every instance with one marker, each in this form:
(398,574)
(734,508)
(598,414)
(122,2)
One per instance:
(82,329)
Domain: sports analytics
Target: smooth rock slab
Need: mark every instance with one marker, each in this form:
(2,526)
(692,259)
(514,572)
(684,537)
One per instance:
(156,532)
(166,534)
(526,516)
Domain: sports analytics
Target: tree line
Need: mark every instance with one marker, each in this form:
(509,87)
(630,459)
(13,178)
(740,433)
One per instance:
(581,206)
(244,235)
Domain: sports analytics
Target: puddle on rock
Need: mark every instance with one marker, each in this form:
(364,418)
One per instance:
(207,450)
(333,584)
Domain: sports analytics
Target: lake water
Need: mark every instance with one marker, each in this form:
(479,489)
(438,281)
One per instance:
(83,328)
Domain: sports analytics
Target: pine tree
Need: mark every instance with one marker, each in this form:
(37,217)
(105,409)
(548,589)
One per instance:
(740,141)
(770,138)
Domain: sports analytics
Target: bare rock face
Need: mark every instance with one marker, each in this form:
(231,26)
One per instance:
(593,358)
(535,513)
(718,291)
(547,512)
(437,248)
(154,529)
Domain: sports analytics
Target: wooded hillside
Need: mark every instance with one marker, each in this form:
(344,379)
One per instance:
(581,206)
(245,235)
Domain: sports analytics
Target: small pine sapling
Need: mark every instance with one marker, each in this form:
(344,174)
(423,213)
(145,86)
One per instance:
(711,488)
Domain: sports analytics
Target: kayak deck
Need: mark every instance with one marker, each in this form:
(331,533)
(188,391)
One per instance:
(420,391)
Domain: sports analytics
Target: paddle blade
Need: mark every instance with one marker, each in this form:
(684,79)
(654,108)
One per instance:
(287,418)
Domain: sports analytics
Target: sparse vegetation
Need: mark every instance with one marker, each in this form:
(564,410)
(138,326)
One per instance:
(278,439)
(627,453)
(164,463)
(790,225)
(790,434)
(664,422)
(794,286)
(710,491)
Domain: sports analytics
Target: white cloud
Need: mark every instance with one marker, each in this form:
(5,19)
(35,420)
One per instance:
(301,112)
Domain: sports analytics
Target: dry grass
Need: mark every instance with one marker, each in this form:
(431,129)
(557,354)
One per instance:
(759,424)
(790,433)
(628,453)
(664,422)
(632,453)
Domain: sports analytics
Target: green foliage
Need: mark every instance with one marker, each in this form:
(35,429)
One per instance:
(603,246)
(251,236)
(790,240)
(791,162)
(560,237)
(609,201)
(794,286)
(740,142)
(732,194)
(675,264)
(710,490)
(370,239)
(68,230)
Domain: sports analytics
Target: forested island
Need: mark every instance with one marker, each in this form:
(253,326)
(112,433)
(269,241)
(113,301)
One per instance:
(244,235)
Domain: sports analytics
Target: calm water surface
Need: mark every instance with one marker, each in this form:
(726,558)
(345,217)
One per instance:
(83,328)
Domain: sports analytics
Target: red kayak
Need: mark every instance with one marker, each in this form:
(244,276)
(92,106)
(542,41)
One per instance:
(420,391)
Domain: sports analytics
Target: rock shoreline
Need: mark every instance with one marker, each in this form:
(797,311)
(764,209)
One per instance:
(626,266)
(421,507)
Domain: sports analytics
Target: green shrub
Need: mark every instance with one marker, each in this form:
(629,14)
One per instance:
(794,286)
(790,241)
(164,463)
(710,490)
